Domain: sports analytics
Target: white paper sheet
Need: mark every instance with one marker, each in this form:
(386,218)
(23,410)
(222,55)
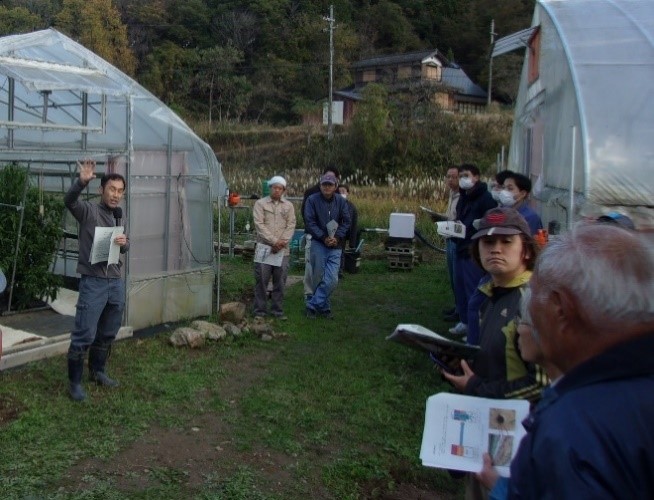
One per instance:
(460,429)
(104,249)
(263,254)
(332,226)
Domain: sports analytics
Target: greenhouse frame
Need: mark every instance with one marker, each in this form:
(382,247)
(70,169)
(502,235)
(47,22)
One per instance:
(584,117)
(61,103)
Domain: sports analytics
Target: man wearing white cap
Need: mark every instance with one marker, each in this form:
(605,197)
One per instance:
(274,221)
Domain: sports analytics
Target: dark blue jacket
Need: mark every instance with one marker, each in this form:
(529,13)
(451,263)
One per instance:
(592,434)
(472,205)
(318,211)
(532,218)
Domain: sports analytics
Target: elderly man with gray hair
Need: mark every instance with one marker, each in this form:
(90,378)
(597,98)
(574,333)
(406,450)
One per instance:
(592,307)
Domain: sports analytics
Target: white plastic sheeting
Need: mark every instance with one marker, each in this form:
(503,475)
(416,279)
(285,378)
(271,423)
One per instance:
(59,103)
(588,120)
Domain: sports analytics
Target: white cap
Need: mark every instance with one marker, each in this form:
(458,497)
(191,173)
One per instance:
(278,179)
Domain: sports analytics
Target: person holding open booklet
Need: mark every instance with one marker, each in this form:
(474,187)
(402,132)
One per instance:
(503,247)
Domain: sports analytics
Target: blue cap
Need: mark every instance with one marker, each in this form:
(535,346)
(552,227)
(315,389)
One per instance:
(619,219)
(328,179)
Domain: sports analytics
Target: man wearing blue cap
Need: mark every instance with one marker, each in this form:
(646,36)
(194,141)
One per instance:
(327,220)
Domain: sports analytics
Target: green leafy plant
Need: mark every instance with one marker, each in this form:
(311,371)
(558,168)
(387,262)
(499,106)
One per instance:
(39,235)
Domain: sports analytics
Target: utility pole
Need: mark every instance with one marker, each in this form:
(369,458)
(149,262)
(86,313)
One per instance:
(330,125)
(490,64)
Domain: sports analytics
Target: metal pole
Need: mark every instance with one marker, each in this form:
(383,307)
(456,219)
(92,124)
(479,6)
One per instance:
(128,200)
(490,62)
(330,125)
(169,171)
(231,231)
(572,178)
(10,113)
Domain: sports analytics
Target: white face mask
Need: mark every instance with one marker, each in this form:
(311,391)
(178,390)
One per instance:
(344,195)
(506,199)
(495,194)
(466,183)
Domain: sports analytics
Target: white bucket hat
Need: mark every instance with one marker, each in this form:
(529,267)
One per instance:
(278,179)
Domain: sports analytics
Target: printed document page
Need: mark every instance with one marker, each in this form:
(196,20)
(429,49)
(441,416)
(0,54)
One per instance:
(460,429)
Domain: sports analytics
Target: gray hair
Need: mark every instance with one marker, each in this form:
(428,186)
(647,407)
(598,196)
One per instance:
(525,315)
(608,270)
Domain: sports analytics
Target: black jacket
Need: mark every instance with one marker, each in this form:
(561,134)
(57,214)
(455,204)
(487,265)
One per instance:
(472,205)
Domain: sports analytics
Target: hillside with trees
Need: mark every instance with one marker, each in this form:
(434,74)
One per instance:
(267,60)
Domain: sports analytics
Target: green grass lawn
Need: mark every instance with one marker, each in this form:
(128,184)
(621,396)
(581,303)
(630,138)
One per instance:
(331,411)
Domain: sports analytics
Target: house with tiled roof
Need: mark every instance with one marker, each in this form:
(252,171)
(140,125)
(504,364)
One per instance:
(446,82)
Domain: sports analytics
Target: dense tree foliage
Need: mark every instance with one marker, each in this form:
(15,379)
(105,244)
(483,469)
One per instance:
(254,60)
(40,231)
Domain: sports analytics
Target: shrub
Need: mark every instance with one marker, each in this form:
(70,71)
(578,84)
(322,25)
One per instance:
(39,236)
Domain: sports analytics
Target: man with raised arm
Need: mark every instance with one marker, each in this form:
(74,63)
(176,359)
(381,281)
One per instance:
(101,288)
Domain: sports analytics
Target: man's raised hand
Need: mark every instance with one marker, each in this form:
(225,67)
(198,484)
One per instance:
(86,171)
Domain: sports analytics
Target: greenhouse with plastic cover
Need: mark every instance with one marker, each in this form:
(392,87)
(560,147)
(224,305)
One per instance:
(61,103)
(584,117)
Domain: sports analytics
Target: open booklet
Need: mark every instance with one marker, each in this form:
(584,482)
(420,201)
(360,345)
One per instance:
(451,229)
(422,338)
(460,429)
(435,216)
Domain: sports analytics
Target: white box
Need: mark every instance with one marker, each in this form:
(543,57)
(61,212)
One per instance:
(402,225)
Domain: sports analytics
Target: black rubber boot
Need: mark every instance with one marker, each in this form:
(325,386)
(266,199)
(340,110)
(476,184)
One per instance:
(98,355)
(75,370)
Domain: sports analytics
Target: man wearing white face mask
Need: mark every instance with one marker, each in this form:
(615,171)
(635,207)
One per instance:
(496,185)
(515,193)
(474,201)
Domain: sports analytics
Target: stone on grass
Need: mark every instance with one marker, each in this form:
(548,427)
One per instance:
(187,337)
(232,312)
(232,329)
(261,329)
(211,330)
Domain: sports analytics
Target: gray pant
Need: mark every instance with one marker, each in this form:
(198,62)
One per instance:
(262,275)
(99,313)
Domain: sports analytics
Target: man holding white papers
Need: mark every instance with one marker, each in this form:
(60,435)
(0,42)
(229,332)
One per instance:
(274,221)
(101,288)
(327,220)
